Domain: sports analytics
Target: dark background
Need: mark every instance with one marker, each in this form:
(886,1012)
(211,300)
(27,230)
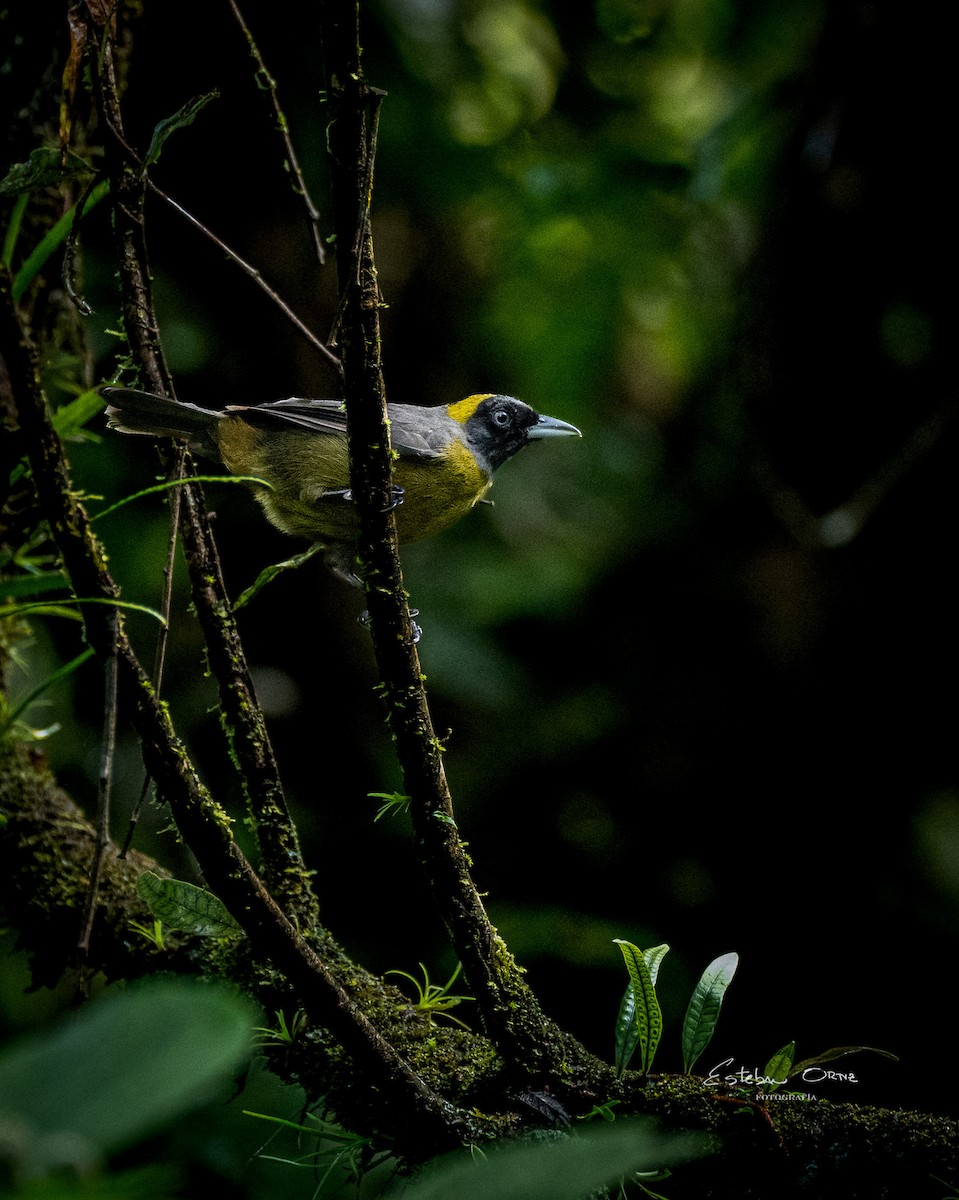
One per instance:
(696,668)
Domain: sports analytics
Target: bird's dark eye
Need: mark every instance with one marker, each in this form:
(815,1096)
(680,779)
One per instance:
(501,417)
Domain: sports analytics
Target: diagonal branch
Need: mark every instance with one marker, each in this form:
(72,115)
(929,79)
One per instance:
(266,80)
(285,871)
(254,273)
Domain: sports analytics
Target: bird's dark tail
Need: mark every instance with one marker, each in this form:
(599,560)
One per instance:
(130,411)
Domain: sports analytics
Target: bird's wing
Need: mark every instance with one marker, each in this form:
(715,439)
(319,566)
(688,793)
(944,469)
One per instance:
(316,416)
(410,439)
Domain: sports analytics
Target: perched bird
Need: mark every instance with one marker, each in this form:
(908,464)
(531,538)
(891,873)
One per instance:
(445,456)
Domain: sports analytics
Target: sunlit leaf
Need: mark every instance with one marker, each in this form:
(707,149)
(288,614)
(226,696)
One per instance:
(704,1005)
(778,1067)
(640,1022)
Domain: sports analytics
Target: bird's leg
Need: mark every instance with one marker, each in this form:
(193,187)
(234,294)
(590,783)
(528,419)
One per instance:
(340,560)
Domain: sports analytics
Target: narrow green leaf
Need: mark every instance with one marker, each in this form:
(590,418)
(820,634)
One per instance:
(268,574)
(32,585)
(60,673)
(180,119)
(626,1034)
(704,1005)
(183,906)
(837,1052)
(58,608)
(52,240)
(50,608)
(654,956)
(778,1067)
(14,224)
(647,1015)
(70,418)
(172,483)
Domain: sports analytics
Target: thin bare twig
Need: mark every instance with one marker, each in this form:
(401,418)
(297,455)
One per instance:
(177,471)
(255,275)
(107,750)
(313,213)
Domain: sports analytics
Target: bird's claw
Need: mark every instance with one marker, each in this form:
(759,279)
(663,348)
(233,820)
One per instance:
(364,620)
(397,495)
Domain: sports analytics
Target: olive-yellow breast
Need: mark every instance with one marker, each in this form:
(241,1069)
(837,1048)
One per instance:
(444,464)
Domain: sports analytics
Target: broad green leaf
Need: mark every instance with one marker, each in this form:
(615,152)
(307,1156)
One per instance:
(46,167)
(704,1005)
(837,1052)
(647,1017)
(778,1067)
(121,1068)
(557,1169)
(187,908)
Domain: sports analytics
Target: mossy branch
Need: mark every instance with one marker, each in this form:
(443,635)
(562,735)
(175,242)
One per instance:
(795,1151)
(284,869)
(204,825)
(510,1012)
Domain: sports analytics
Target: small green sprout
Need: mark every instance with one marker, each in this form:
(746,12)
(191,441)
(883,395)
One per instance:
(285,1032)
(393,802)
(604,1110)
(153,933)
(433,1000)
(334,1148)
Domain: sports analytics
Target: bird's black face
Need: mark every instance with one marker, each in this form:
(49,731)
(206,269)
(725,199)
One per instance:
(499,427)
